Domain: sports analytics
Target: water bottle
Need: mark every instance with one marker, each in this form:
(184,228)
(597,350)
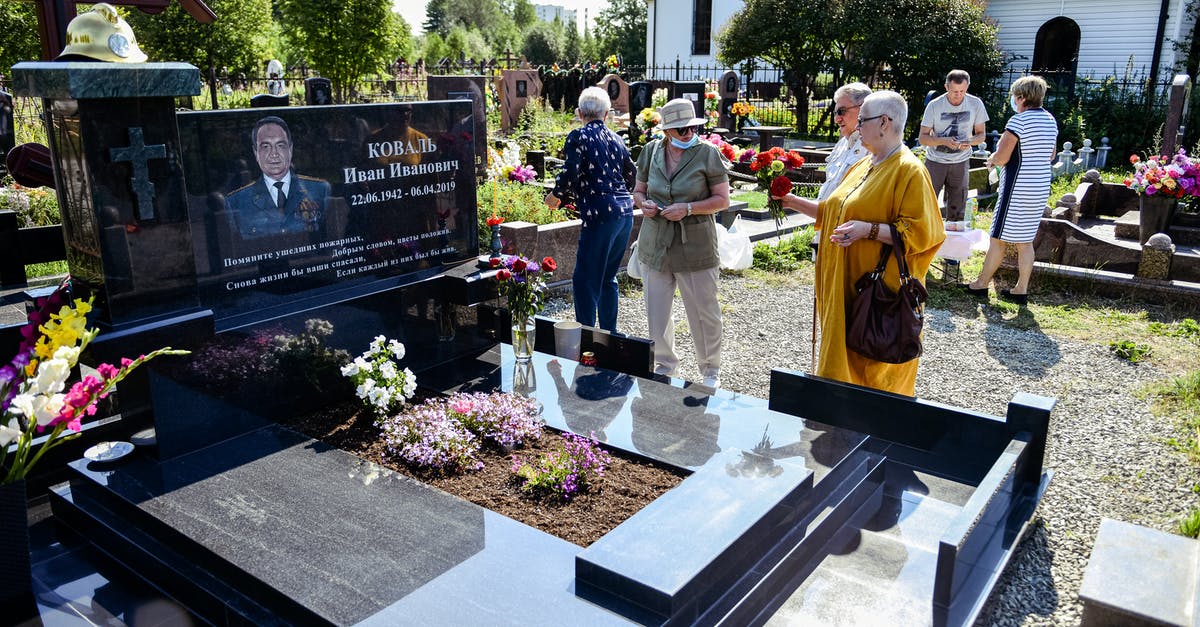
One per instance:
(969,213)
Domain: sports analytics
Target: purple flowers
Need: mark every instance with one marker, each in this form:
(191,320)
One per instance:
(522,174)
(564,473)
(448,432)
(1176,177)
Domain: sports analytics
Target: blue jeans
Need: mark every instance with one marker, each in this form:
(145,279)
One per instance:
(601,247)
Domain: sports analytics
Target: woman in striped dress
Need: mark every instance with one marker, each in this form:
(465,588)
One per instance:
(1026,152)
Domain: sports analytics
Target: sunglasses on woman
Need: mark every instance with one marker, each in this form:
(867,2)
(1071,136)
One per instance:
(687,130)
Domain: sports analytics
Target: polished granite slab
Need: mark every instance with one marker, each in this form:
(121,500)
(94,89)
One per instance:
(782,516)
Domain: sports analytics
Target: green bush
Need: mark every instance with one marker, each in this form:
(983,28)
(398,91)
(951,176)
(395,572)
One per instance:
(515,202)
(34,206)
(787,255)
(1190,525)
(1131,351)
(1186,328)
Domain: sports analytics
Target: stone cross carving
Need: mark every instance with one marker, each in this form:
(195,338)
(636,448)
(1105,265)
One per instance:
(138,154)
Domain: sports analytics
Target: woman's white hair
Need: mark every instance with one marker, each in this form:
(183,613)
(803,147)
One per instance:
(594,103)
(857,92)
(887,103)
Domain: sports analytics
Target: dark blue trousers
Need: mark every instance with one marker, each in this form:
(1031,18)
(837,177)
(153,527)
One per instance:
(601,247)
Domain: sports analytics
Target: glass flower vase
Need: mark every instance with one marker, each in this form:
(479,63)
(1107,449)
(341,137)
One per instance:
(522,338)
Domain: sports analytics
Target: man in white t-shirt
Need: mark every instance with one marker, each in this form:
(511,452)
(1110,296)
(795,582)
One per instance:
(953,123)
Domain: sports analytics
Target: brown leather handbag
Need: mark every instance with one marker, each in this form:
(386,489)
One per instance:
(886,326)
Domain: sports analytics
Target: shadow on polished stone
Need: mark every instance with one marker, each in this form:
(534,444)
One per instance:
(283,517)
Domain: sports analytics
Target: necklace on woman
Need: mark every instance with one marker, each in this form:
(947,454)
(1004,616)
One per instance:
(891,152)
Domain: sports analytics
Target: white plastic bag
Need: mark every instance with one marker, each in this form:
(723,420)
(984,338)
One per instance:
(634,269)
(734,247)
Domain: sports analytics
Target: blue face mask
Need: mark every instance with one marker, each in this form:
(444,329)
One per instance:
(687,144)
(1012,101)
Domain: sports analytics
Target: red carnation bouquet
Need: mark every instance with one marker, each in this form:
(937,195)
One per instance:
(771,168)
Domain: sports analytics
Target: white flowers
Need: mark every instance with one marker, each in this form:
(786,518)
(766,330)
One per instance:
(41,397)
(379,381)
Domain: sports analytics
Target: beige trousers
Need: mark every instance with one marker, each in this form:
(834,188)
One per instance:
(699,292)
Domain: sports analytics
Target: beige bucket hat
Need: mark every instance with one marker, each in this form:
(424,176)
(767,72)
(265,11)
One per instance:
(679,113)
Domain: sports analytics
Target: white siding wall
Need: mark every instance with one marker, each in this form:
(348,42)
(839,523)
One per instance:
(1110,31)
(675,31)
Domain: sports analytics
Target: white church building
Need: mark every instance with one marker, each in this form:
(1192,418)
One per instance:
(1083,37)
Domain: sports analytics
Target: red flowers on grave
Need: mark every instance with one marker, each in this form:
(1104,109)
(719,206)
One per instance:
(523,283)
(771,168)
(495,220)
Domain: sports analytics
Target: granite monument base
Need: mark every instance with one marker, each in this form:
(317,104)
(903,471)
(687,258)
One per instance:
(863,506)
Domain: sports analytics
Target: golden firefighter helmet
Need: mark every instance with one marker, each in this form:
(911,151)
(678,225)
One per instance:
(101,34)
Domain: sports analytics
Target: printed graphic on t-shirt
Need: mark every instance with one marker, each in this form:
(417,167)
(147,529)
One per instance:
(954,120)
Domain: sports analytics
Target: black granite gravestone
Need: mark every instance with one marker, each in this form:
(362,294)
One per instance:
(727,90)
(473,88)
(692,91)
(8,130)
(269,100)
(319,91)
(641,94)
(121,189)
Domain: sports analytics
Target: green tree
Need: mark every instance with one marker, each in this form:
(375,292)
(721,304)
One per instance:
(587,46)
(436,20)
(802,45)
(909,45)
(403,43)
(239,39)
(544,43)
(467,43)
(433,48)
(343,40)
(18,22)
(524,15)
(621,29)
(571,44)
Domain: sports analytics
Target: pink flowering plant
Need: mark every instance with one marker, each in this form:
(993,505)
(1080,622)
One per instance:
(1174,177)
(572,469)
(34,398)
(448,433)
(378,379)
(519,173)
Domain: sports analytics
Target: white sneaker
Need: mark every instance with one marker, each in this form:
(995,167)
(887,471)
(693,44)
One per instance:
(712,381)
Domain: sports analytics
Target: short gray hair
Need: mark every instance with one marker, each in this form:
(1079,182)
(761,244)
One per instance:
(594,104)
(857,92)
(889,103)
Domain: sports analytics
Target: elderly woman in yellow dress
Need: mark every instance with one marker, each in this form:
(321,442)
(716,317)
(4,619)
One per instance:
(890,188)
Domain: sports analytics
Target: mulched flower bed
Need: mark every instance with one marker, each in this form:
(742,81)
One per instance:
(626,487)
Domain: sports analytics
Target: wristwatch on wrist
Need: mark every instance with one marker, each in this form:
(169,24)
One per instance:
(689,208)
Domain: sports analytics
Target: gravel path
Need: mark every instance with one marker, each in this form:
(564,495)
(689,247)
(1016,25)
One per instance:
(1107,452)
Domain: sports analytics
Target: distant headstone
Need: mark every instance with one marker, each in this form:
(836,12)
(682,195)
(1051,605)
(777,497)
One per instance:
(517,87)
(641,95)
(618,92)
(471,88)
(8,132)
(690,90)
(267,100)
(318,91)
(1177,110)
(572,85)
(727,91)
